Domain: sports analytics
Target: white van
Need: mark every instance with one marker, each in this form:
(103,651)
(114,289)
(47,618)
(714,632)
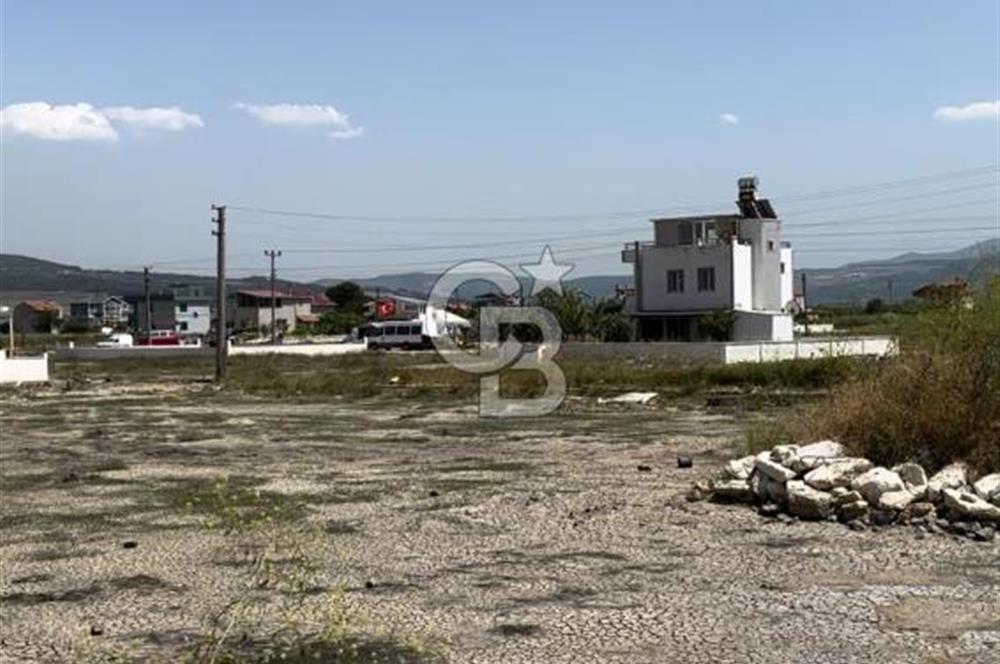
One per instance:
(396,334)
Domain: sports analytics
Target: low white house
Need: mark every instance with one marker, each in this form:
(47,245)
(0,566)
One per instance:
(714,277)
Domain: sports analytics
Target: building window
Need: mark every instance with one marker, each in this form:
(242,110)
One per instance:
(675,281)
(782,267)
(706,279)
(770,245)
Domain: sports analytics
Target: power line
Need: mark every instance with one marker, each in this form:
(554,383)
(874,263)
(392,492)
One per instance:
(973,172)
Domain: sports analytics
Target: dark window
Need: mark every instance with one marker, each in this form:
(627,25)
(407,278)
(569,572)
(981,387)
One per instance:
(183,307)
(782,268)
(184,326)
(675,281)
(706,279)
(685,233)
(770,245)
(677,329)
(414,329)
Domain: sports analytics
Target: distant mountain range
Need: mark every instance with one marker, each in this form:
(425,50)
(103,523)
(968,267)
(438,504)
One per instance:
(854,283)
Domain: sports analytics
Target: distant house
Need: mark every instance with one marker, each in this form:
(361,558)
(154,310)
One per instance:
(953,291)
(111,311)
(161,309)
(36,316)
(705,273)
(253,310)
(192,309)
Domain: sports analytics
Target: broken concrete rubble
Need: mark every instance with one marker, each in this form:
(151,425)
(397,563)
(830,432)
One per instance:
(817,482)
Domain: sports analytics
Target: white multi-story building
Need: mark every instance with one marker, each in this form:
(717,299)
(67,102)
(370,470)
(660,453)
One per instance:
(724,276)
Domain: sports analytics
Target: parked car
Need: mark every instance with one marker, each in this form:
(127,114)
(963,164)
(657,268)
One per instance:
(160,338)
(116,340)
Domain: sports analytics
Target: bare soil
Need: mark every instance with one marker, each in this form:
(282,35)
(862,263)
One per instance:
(516,540)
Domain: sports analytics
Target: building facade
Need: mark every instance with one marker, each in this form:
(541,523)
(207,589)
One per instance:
(192,309)
(714,277)
(252,312)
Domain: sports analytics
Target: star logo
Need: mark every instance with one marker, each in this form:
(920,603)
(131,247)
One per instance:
(546,273)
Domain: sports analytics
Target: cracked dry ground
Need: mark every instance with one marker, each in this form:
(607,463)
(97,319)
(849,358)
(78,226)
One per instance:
(515,541)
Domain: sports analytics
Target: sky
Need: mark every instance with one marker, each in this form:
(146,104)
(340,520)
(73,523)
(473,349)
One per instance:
(458,130)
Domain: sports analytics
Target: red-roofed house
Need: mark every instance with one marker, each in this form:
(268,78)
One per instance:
(36,316)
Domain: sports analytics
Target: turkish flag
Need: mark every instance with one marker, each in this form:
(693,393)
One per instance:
(385,308)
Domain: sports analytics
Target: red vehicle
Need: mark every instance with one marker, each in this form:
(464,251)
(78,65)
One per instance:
(160,338)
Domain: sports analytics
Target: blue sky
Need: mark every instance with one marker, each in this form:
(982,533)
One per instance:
(468,111)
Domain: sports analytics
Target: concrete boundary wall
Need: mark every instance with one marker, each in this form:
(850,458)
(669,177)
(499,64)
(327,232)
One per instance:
(299,349)
(143,352)
(732,352)
(15,370)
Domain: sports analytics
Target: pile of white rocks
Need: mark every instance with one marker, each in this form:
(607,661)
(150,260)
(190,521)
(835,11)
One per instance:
(820,482)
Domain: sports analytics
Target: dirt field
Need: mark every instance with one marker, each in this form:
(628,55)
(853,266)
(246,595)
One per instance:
(168,519)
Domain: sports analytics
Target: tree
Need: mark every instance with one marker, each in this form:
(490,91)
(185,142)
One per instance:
(347,297)
(339,322)
(718,325)
(875,306)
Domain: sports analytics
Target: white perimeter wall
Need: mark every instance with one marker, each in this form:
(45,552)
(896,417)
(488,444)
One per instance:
(731,352)
(787,285)
(23,369)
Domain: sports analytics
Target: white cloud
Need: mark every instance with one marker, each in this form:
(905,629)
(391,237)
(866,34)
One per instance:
(71,122)
(172,118)
(86,122)
(303,115)
(729,119)
(982,110)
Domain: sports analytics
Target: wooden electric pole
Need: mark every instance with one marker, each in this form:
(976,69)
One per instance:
(272,254)
(149,306)
(221,338)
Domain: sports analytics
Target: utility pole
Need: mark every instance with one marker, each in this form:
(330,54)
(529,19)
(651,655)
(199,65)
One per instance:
(272,254)
(149,306)
(221,338)
(805,304)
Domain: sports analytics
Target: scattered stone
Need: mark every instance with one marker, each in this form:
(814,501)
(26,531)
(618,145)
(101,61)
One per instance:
(949,477)
(433,493)
(370,583)
(685,462)
(768,490)
(836,473)
(786,519)
(918,510)
(643,468)
(129,544)
(984,534)
(965,504)
(96,630)
(815,455)
(873,483)
(808,503)
(785,454)
(732,491)
(698,492)
(769,510)
(847,496)
(850,512)
(988,488)
(856,524)
(913,477)
(773,470)
(896,500)
(739,469)
(882,517)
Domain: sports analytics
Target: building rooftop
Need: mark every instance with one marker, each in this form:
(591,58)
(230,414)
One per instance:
(265,294)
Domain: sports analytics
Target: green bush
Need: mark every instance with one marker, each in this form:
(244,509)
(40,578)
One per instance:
(938,402)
